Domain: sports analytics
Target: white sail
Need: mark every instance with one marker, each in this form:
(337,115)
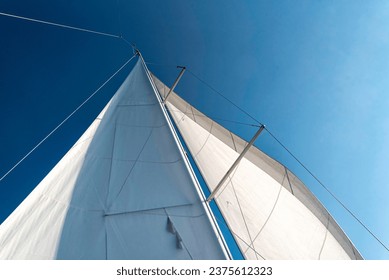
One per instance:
(123,191)
(270,212)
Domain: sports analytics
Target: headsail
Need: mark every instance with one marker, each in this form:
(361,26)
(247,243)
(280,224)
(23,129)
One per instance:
(270,212)
(123,191)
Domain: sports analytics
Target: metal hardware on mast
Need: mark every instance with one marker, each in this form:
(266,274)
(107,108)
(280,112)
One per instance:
(213,193)
(183,68)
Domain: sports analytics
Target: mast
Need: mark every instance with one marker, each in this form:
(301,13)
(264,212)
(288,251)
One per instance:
(205,205)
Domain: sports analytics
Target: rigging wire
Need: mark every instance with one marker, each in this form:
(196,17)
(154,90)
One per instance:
(71,114)
(61,25)
(229,100)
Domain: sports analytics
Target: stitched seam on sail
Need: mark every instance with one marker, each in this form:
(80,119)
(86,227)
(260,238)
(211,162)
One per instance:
(325,236)
(141,126)
(194,118)
(110,167)
(271,212)
(184,114)
(244,219)
(136,105)
(287,177)
(142,161)
(118,235)
(130,171)
(233,141)
(144,212)
(205,142)
(229,180)
(241,239)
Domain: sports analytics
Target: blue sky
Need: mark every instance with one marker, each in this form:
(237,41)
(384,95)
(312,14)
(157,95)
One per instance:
(313,71)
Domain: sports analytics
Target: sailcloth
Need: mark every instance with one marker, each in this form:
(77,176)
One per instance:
(123,191)
(269,211)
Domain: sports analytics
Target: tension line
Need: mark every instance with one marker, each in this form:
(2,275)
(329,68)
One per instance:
(229,100)
(60,25)
(71,114)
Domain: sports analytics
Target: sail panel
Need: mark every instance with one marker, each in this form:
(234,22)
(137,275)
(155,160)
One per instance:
(114,194)
(270,212)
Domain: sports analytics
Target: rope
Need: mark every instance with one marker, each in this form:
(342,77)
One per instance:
(58,126)
(60,25)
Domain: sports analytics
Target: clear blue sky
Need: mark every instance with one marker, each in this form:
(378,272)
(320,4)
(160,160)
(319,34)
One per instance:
(315,72)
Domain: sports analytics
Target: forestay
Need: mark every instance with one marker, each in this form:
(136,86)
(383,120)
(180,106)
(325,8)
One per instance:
(270,212)
(123,191)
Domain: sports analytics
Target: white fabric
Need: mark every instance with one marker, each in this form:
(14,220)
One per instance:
(116,192)
(270,212)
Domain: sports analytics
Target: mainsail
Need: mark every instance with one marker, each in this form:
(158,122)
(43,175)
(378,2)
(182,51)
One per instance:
(125,190)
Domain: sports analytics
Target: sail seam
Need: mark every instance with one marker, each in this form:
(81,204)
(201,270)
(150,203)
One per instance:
(106,241)
(325,236)
(229,180)
(136,105)
(205,142)
(110,166)
(287,177)
(271,212)
(233,141)
(142,161)
(152,209)
(240,238)
(244,219)
(132,168)
(184,114)
(141,126)
(194,118)
(119,237)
